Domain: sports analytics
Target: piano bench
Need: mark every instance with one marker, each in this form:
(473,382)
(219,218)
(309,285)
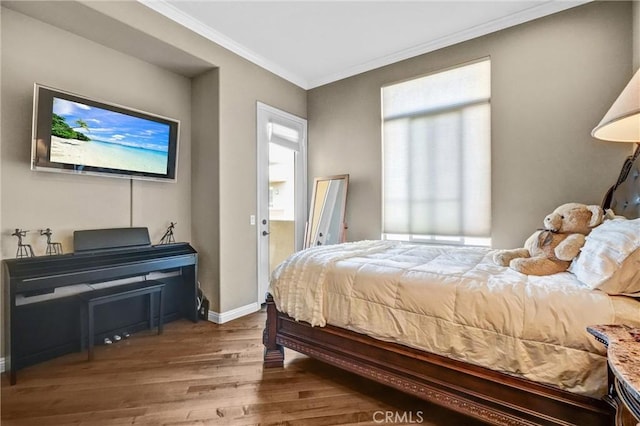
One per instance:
(111,294)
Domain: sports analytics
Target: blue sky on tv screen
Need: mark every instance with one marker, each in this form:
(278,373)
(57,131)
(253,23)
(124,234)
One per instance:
(114,127)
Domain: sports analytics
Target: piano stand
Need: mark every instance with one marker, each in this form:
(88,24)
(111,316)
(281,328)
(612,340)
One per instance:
(112,294)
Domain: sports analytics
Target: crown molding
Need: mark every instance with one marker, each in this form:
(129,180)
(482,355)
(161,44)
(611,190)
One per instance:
(546,8)
(535,12)
(163,7)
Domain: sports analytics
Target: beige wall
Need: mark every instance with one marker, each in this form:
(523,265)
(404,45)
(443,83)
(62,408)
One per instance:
(36,52)
(552,81)
(636,34)
(214,214)
(205,191)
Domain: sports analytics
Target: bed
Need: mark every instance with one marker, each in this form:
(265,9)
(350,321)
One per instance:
(458,330)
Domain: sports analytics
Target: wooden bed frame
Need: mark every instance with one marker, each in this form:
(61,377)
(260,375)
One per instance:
(481,393)
(478,392)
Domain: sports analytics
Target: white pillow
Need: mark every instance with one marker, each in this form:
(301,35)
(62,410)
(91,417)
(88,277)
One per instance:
(610,257)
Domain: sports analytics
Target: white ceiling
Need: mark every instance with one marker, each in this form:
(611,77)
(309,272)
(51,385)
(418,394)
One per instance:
(312,43)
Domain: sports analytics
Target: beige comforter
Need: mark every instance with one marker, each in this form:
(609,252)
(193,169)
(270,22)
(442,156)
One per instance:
(456,302)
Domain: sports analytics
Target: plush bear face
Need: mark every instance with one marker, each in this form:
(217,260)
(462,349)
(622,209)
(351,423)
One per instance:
(574,218)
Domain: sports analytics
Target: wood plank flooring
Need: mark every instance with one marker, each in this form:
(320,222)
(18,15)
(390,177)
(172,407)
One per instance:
(204,374)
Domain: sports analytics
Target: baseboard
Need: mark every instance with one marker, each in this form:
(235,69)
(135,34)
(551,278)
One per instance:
(220,318)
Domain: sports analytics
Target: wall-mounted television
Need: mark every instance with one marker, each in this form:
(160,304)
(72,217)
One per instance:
(75,134)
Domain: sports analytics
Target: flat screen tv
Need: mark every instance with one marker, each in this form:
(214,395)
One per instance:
(75,134)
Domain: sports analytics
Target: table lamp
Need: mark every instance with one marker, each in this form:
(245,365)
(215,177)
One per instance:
(622,124)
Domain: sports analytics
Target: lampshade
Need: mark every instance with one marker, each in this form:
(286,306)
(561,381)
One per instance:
(622,122)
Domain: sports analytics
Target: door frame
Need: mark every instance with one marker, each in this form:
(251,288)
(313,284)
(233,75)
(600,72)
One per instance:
(266,114)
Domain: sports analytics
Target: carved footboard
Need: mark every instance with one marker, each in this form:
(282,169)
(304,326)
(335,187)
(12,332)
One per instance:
(273,351)
(484,394)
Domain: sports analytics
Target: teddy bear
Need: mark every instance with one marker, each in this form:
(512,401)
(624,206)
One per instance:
(551,250)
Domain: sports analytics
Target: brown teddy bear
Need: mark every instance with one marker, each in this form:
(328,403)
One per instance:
(551,250)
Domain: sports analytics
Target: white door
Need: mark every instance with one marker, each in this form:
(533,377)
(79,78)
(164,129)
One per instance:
(282,189)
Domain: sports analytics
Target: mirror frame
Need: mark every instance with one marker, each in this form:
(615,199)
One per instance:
(343,234)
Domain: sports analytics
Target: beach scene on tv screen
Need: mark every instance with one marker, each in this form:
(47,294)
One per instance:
(89,136)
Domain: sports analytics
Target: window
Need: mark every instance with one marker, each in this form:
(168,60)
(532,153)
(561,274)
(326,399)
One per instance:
(436,137)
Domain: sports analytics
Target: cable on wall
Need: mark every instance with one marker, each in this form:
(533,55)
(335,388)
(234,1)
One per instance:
(131,203)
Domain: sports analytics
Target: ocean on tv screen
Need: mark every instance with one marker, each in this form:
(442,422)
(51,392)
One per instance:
(90,136)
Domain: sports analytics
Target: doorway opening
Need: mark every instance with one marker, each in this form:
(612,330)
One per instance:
(282,189)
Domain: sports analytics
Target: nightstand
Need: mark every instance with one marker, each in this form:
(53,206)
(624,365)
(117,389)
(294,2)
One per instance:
(623,361)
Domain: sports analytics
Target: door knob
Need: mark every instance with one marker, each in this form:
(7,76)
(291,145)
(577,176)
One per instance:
(265,233)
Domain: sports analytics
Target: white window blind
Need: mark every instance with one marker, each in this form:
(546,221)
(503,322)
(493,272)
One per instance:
(437,156)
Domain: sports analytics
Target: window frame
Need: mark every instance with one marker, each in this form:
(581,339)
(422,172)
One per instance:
(464,240)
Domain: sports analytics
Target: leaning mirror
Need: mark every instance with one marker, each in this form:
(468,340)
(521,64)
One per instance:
(326,223)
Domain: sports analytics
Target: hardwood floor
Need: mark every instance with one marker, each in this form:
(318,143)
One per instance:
(204,373)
